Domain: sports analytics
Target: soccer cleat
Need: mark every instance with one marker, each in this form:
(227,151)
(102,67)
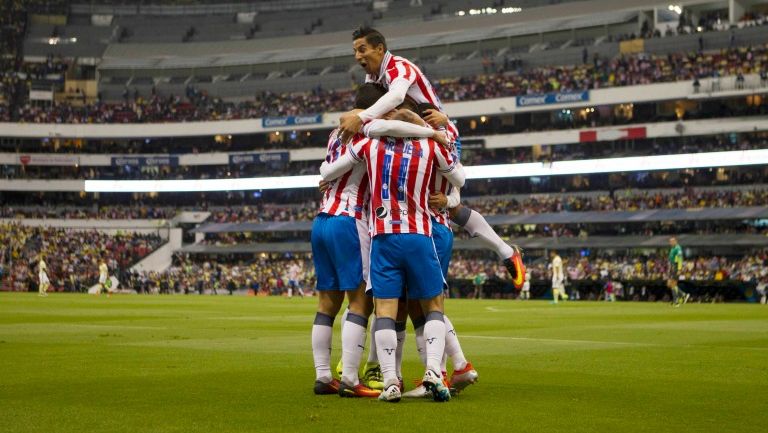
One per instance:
(391,394)
(418,392)
(516,268)
(339,368)
(372,377)
(436,385)
(326,388)
(461,379)
(358,390)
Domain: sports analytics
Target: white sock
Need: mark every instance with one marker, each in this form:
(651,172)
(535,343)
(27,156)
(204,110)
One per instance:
(453,347)
(290,293)
(353,333)
(444,363)
(373,356)
(434,335)
(400,330)
(322,337)
(478,227)
(344,317)
(386,345)
(421,345)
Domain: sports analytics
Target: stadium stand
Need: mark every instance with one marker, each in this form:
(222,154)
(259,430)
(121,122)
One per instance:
(72,255)
(182,63)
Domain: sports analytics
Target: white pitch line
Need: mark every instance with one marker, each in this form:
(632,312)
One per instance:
(557,340)
(616,343)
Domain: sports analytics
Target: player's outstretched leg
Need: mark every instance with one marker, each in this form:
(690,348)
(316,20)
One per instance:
(478,227)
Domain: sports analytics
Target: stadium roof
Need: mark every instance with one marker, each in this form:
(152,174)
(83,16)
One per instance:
(533,21)
(250,52)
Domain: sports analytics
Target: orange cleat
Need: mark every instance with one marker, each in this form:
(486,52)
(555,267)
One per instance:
(461,379)
(358,390)
(516,268)
(326,388)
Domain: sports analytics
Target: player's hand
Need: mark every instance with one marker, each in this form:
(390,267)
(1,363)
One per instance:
(349,125)
(324,185)
(436,119)
(438,200)
(441,138)
(409,116)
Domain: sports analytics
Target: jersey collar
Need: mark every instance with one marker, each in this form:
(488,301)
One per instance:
(384,66)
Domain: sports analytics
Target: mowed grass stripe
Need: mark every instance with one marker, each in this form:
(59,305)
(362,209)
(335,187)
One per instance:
(76,363)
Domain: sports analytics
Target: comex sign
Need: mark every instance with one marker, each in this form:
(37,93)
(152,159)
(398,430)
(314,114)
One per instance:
(274,122)
(552,98)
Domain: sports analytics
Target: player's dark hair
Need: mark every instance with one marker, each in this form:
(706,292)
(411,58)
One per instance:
(367,95)
(371,35)
(424,106)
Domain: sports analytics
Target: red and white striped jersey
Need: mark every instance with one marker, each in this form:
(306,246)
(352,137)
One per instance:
(347,195)
(400,171)
(393,67)
(439,183)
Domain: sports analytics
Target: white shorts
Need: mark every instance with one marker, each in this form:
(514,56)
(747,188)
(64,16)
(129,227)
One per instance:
(43,279)
(102,279)
(557,285)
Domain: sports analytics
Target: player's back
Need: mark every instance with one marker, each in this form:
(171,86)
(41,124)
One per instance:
(348,194)
(400,171)
(394,67)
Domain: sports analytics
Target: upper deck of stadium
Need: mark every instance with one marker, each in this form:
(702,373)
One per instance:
(249,42)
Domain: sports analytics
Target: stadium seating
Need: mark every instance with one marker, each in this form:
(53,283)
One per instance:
(72,255)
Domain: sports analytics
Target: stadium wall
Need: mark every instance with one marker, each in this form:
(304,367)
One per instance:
(158,227)
(162,258)
(610,96)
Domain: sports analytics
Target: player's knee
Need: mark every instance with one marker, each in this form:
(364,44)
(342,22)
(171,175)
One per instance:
(386,308)
(432,305)
(360,303)
(329,302)
(460,215)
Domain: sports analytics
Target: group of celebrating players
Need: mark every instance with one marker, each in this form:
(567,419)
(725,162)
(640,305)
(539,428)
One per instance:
(391,181)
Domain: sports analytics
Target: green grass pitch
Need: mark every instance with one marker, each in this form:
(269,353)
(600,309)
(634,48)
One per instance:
(78,363)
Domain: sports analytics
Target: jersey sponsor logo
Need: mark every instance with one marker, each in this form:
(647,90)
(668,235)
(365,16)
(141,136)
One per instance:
(381,212)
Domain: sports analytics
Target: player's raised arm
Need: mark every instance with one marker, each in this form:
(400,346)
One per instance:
(335,169)
(449,168)
(397,128)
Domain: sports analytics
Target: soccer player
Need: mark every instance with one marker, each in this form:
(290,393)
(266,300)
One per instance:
(398,75)
(42,275)
(558,278)
(471,221)
(525,293)
(103,275)
(464,373)
(402,78)
(294,279)
(399,173)
(673,274)
(337,255)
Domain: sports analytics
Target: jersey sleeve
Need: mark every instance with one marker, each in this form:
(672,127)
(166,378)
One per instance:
(335,169)
(394,97)
(448,166)
(395,128)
